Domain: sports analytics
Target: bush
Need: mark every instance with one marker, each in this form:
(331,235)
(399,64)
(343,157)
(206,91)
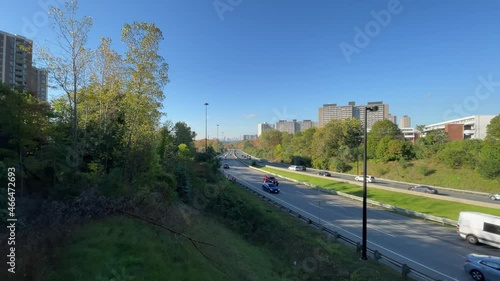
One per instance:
(425,171)
(382,171)
(404,163)
(340,165)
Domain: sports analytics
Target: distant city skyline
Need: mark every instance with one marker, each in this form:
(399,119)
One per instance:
(265,61)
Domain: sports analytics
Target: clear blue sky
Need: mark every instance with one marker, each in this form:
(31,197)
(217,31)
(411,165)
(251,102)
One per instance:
(264,60)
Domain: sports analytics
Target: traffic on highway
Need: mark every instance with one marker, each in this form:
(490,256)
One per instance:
(435,250)
(459,194)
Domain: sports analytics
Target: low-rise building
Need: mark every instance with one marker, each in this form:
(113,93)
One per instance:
(471,127)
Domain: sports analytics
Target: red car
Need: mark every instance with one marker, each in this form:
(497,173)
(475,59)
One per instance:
(271,179)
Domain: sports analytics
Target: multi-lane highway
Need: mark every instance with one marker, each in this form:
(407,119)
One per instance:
(435,250)
(479,197)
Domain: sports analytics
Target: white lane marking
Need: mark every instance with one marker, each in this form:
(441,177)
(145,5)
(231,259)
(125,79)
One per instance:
(381,247)
(377,229)
(315,206)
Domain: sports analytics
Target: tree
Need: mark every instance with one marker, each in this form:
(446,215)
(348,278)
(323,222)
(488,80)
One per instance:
(269,139)
(68,69)
(146,74)
(489,162)
(183,135)
(493,130)
(381,129)
(24,125)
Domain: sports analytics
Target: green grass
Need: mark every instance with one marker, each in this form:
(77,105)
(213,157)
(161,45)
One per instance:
(262,244)
(126,249)
(440,175)
(436,207)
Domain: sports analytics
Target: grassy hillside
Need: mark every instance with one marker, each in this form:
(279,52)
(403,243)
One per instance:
(254,241)
(431,173)
(126,249)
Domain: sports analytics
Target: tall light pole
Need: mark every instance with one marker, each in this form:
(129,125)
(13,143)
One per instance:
(217,132)
(206,136)
(363,246)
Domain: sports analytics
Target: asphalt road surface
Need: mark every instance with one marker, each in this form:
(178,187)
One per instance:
(432,249)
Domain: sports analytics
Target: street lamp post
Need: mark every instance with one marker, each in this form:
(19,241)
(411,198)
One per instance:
(363,246)
(206,136)
(217,132)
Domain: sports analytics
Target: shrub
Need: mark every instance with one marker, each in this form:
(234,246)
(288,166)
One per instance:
(404,164)
(425,171)
(340,165)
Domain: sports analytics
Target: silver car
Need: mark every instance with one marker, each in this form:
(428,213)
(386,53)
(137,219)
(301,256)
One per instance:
(482,267)
(494,196)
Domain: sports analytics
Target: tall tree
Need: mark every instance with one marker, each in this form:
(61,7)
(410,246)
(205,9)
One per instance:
(147,75)
(183,135)
(101,105)
(68,64)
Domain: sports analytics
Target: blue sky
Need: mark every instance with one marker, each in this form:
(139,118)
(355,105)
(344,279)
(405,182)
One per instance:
(258,61)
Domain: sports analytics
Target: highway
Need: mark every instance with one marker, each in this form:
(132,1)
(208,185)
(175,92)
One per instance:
(432,249)
(381,182)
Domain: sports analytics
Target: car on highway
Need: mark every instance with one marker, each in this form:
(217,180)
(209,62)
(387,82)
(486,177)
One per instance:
(424,189)
(494,196)
(226,166)
(324,174)
(368,178)
(271,179)
(482,267)
(297,168)
(270,187)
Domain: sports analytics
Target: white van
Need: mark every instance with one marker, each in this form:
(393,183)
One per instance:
(479,228)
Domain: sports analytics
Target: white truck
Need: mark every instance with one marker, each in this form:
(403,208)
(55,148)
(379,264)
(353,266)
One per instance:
(479,228)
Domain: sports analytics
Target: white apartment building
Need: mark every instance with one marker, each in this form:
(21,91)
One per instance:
(471,127)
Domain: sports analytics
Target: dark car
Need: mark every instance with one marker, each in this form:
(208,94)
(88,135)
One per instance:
(270,187)
(324,174)
(482,267)
(226,166)
(423,188)
(271,179)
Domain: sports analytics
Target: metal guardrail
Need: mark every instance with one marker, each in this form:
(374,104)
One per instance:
(406,271)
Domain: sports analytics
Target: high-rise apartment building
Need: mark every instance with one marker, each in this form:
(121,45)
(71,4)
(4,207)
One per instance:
(332,111)
(288,126)
(16,66)
(405,122)
(294,126)
(262,127)
(306,124)
(393,118)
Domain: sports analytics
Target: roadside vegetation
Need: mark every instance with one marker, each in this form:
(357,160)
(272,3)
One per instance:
(104,191)
(433,159)
(415,203)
